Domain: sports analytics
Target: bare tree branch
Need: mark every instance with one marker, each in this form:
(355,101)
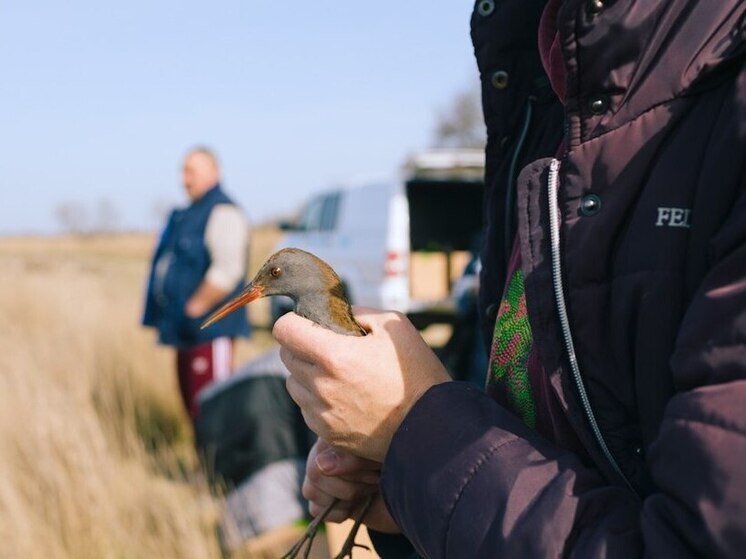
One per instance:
(461,125)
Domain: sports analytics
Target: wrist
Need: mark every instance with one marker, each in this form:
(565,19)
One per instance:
(193,309)
(418,392)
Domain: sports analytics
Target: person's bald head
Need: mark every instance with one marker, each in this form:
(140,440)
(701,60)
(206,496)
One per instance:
(200,172)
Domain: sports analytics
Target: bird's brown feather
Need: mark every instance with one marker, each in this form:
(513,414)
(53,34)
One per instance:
(342,311)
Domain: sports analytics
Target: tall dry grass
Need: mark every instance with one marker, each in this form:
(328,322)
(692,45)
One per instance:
(96,456)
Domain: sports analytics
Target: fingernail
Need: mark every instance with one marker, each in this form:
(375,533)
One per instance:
(327,460)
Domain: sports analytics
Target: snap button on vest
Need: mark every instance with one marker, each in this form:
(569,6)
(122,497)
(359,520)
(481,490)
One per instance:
(595,6)
(590,205)
(486,7)
(598,105)
(491,311)
(500,79)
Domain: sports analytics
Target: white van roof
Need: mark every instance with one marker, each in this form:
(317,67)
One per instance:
(446,163)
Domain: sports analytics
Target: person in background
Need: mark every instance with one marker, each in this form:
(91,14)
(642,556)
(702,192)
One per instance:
(200,260)
(613,300)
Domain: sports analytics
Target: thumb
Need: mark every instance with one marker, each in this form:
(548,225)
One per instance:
(334,462)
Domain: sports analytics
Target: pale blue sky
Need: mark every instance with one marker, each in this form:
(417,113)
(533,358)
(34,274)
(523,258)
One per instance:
(100,100)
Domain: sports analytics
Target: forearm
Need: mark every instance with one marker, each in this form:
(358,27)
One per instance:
(485,485)
(204,299)
(226,238)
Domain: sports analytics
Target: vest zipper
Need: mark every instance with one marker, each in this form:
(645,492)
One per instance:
(559,295)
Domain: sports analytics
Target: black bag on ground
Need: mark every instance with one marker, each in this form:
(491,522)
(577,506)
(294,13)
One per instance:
(249,421)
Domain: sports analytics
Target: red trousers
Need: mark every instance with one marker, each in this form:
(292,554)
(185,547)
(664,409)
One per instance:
(198,366)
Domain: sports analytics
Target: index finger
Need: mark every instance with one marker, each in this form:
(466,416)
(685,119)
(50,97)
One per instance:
(302,337)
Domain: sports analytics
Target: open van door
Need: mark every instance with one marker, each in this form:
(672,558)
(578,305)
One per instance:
(445,191)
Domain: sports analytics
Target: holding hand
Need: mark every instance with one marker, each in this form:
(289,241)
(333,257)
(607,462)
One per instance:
(354,392)
(332,474)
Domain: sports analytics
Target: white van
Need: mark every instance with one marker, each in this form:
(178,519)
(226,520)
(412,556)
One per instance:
(399,246)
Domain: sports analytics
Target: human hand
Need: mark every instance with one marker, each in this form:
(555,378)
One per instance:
(195,308)
(354,392)
(335,475)
(204,298)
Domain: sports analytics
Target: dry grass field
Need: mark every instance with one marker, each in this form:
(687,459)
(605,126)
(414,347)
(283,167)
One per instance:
(96,456)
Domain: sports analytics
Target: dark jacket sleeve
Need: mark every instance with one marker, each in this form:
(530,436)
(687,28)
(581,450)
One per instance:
(392,546)
(698,460)
(464,478)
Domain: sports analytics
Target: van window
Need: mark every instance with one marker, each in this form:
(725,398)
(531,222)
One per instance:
(320,213)
(311,218)
(329,212)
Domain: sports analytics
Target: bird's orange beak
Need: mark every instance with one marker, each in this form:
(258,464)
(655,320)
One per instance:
(251,293)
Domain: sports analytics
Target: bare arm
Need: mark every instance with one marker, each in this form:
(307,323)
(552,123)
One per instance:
(226,237)
(205,298)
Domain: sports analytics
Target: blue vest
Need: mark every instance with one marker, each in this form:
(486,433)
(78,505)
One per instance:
(179,266)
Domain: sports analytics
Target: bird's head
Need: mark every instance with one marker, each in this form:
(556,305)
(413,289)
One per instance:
(311,283)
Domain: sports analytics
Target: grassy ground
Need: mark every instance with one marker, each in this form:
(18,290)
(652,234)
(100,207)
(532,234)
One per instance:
(96,456)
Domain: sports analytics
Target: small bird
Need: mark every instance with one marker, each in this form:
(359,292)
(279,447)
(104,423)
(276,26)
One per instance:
(319,296)
(310,282)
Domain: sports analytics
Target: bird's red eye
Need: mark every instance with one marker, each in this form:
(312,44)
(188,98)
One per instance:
(275,272)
